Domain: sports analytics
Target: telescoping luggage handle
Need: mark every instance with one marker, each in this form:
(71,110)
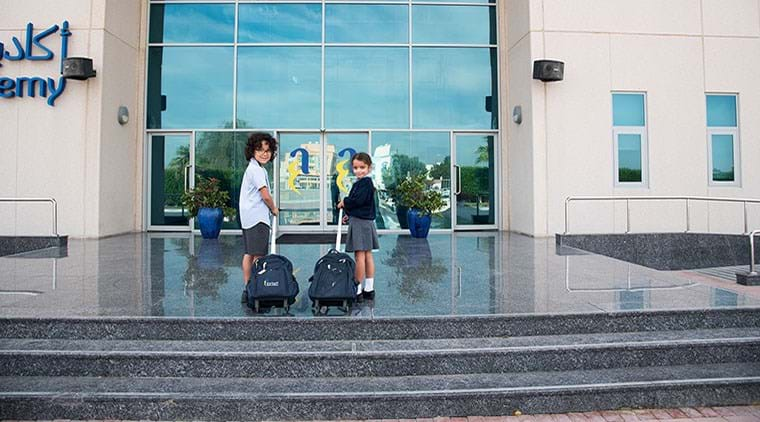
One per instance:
(340,224)
(274,235)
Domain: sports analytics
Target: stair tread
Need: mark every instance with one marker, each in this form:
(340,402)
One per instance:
(10,345)
(334,387)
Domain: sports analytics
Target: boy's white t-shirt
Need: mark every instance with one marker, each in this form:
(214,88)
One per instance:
(253,210)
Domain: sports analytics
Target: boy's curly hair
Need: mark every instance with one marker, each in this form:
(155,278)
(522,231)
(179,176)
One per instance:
(255,141)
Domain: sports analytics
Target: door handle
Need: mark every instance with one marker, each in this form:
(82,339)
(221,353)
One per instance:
(186,177)
(459,282)
(459,180)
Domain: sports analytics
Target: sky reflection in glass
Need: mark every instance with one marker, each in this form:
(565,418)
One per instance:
(629,158)
(723,158)
(452,87)
(366,87)
(454,25)
(361,23)
(628,109)
(192,23)
(458,1)
(280,23)
(197,85)
(279,87)
(721,110)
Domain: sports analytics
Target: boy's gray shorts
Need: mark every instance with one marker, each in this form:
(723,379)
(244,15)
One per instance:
(256,240)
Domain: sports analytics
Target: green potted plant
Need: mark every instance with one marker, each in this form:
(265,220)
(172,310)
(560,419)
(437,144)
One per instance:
(422,203)
(401,166)
(209,203)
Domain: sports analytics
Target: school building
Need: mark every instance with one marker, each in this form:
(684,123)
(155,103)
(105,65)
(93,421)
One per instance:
(656,98)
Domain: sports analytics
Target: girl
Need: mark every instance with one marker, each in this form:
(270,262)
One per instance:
(362,234)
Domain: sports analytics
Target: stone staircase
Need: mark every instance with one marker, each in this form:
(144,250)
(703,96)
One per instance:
(359,368)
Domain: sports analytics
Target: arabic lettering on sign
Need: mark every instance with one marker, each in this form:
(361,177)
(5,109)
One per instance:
(33,49)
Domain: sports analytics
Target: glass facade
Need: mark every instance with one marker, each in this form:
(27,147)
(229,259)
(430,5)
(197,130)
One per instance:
(399,80)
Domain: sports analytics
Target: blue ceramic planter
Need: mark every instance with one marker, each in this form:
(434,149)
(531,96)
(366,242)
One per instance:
(419,225)
(210,221)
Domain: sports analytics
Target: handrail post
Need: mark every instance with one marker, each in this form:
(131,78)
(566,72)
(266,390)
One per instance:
(746,229)
(566,202)
(752,252)
(687,215)
(627,217)
(55,217)
(52,201)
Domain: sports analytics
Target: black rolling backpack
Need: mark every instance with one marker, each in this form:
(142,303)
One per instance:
(272,282)
(333,282)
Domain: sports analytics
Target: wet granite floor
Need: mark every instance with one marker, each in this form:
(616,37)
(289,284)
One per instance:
(155,274)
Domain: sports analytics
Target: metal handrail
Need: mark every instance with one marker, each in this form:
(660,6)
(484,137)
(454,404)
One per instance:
(630,288)
(51,200)
(627,200)
(752,251)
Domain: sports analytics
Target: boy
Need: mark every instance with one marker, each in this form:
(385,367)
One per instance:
(256,202)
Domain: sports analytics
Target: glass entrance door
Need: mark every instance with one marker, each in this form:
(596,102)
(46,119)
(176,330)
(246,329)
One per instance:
(314,174)
(170,174)
(300,180)
(339,148)
(474,184)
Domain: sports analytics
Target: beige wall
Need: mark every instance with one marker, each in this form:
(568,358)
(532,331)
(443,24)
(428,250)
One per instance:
(675,51)
(75,151)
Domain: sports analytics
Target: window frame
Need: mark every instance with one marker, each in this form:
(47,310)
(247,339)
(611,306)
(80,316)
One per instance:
(723,130)
(630,130)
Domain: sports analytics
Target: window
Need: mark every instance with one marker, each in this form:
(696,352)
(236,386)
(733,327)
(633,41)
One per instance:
(723,139)
(629,133)
(311,65)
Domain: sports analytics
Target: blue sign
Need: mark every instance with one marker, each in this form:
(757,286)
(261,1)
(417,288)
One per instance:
(30,86)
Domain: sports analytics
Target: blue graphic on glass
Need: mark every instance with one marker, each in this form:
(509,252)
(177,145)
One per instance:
(304,159)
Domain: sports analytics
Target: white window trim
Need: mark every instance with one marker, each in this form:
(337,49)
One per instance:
(734,132)
(724,130)
(631,130)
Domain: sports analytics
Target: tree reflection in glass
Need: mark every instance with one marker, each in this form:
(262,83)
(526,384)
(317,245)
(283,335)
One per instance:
(417,272)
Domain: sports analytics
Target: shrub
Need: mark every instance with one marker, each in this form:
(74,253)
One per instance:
(207,194)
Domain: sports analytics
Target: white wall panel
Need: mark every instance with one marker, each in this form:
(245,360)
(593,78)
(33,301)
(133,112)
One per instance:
(732,17)
(623,16)
(578,125)
(43,13)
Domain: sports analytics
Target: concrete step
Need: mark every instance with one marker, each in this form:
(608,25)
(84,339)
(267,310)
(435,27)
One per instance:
(337,328)
(376,397)
(361,368)
(307,346)
(414,358)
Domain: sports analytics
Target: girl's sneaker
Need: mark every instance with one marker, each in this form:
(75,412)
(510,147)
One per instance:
(368,295)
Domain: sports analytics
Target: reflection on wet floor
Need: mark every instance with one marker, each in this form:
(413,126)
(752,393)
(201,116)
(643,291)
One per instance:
(151,274)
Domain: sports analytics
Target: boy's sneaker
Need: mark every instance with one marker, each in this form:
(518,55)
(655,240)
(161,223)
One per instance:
(244,297)
(359,298)
(368,295)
